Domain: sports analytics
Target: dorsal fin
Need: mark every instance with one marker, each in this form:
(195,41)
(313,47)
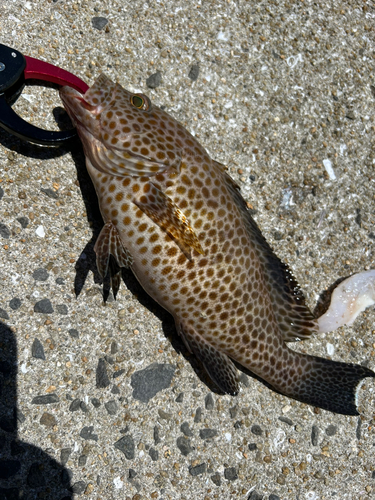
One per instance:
(294,318)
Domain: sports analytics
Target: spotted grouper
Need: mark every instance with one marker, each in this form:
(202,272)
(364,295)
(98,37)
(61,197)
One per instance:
(178,221)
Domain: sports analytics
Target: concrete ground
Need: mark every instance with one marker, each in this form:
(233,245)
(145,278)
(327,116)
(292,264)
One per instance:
(110,404)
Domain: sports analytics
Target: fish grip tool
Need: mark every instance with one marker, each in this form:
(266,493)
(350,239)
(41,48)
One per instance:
(15,70)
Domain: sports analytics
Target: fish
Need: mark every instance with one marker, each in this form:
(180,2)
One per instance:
(176,218)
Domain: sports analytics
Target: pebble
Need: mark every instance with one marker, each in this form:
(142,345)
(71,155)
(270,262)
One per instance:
(4,314)
(148,382)
(15,303)
(45,399)
(233,411)
(154,80)
(209,402)
(75,405)
(64,455)
(180,398)
(164,415)
(118,373)
(194,72)
(157,435)
(216,479)
(4,231)
(154,454)
(230,473)
(111,407)
(78,488)
(331,430)
(273,497)
(62,309)
(1,192)
(256,429)
(84,407)
(73,333)
(198,415)
(126,446)
(254,495)
(82,460)
(314,435)
(24,221)
(99,22)
(207,433)
(43,306)
(60,281)
(102,379)
(253,446)
(87,433)
(37,350)
(286,420)
(40,274)
(185,429)
(50,193)
(198,469)
(40,232)
(358,428)
(48,420)
(184,445)
(95,402)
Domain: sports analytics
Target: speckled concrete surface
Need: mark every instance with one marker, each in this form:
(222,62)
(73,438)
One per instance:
(284,94)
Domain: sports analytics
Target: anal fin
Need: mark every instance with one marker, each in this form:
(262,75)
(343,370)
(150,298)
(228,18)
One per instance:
(218,365)
(111,255)
(166,214)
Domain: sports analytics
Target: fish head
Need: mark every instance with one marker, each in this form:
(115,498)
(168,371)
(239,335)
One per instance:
(134,136)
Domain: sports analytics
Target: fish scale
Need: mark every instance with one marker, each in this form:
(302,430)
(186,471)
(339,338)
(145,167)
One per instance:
(174,216)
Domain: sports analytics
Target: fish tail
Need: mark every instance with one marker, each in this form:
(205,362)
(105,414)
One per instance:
(330,385)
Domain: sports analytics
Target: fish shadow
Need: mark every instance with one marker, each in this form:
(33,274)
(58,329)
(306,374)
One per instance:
(26,471)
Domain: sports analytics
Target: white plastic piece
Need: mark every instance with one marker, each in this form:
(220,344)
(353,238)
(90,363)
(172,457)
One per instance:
(329,169)
(330,349)
(349,299)
(40,232)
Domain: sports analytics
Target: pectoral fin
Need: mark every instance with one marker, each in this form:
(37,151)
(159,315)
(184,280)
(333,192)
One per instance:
(217,364)
(110,245)
(166,214)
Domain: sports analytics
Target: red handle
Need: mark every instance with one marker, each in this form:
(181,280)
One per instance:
(41,70)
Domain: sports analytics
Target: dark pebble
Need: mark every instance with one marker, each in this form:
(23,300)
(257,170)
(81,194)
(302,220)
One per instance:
(4,231)
(109,360)
(20,416)
(253,446)
(198,469)
(238,424)
(50,193)
(3,314)
(194,72)
(15,303)
(233,412)
(40,274)
(209,402)
(78,488)
(1,192)
(254,495)
(46,399)
(184,445)
(114,347)
(82,460)
(286,420)
(62,309)
(216,479)
(75,405)
(256,429)
(230,473)
(207,433)
(154,80)
(44,306)
(126,445)
(87,433)
(358,429)
(9,468)
(59,281)
(331,430)
(24,221)
(164,415)
(132,473)
(115,390)
(157,435)
(118,373)
(95,402)
(102,379)
(373,473)
(314,435)
(153,379)
(180,398)
(99,22)
(73,333)
(273,497)
(64,455)
(48,420)
(35,476)
(185,429)
(111,407)
(198,415)
(84,407)
(154,454)
(37,350)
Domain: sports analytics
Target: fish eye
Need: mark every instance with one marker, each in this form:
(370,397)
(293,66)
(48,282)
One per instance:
(139,101)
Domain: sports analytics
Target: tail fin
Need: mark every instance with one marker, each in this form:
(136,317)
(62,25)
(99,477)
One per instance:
(331,385)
